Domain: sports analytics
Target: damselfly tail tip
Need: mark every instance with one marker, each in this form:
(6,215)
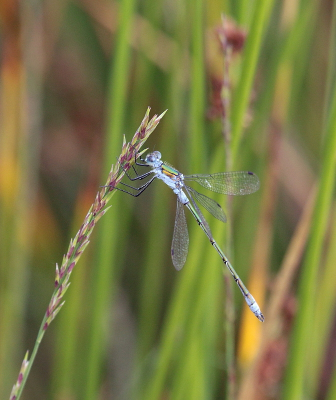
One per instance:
(261,317)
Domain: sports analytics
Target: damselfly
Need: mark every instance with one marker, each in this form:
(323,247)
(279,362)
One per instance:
(230,183)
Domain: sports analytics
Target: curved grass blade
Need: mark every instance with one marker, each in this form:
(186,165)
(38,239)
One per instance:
(210,205)
(231,183)
(180,243)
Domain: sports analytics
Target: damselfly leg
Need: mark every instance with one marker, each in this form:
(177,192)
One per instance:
(139,189)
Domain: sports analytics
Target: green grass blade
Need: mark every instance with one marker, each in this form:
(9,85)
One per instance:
(196,140)
(295,374)
(332,390)
(324,312)
(243,92)
(105,270)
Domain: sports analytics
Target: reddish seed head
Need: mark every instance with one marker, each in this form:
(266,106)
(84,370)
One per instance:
(70,251)
(71,266)
(142,133)
(234,35)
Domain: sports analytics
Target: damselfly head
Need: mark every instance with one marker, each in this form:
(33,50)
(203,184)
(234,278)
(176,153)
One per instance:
(153,159)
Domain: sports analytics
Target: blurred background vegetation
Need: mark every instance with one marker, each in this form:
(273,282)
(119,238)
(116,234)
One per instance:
(255,92)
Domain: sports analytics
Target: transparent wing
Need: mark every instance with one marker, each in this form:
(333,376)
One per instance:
(193,207)
(180,243)
(232,183)
(210,205)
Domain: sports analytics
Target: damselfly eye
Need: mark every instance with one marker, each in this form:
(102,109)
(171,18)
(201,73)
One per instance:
(157,155)
(153,157)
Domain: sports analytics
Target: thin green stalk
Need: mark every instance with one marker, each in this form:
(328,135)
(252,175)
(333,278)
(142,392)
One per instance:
(324,310)
(191,377)
(245,11)
(176,107)
(176,317)
(152,282)
(206,289)
(105,276)
(299,352)
(243,92)
(26,365)
(228,283)
(197,107)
